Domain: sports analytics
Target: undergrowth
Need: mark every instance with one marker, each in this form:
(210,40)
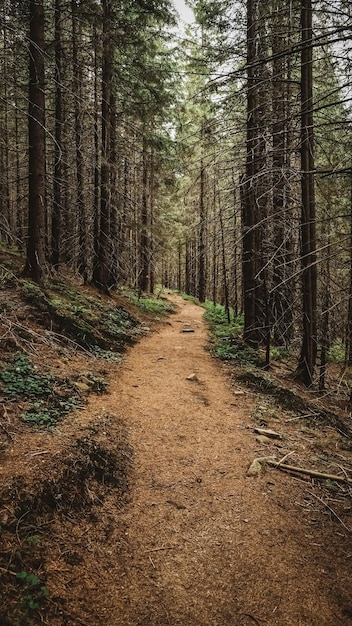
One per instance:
(95,324)
(226,338)
(189,298)
(151,304)
(48,398)
(226,342)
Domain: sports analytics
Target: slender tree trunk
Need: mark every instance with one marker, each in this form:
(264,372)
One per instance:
(179,267)
(307,361)
(59,121)
(6,202)
(80,166)
(326,304)
(223,258)
(35,262)
(144,238)
(152,218)
(248,201)
(202,237)
(96,199)
(280,309)
(187,269)
(114,218)
(349,315)
(101,273)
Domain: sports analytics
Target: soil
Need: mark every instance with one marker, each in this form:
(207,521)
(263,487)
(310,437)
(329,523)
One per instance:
(143,511)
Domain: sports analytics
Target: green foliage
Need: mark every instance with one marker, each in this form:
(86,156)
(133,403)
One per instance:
(42,414)
(225,338)
(91,322)
(337,352)
(277,353)
(33,591)
(237,352)
(108,355)
(31,291)
(96,383)
(189,298)
(21,378)
(51,399)
(156,306)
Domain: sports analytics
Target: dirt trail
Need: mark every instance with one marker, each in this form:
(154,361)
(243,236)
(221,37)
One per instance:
(200,544)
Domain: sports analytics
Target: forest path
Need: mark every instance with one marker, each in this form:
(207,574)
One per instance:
(202,544)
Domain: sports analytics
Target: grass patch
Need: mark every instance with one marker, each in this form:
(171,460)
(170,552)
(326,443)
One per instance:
(226,342)
(189,298)
(152,304)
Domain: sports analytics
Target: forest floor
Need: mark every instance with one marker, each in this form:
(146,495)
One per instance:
(139,510)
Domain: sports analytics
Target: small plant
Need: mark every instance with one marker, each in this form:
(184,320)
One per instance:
(33,591)
(33,540)
(108,355)
(226,342)
(51,398)
(42,414)
(21,378)
(337,351)
(277,353)
(237,352)
(96,383)
(31,291)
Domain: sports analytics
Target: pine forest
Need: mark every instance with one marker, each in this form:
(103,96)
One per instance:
(215,161)
(175,312)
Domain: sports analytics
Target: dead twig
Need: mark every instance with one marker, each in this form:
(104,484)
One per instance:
(7,571)
(251,617)
(285,457)
(161,548)
(331,511)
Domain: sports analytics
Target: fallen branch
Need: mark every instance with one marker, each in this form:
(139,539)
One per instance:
(308,472)
(258,464)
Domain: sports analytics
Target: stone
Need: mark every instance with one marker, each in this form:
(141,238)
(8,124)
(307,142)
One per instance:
(263,439)
(256,467)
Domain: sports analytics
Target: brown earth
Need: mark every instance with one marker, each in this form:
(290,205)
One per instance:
(183,536)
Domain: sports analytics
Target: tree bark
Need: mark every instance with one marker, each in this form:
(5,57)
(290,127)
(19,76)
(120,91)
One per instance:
(101,270)
(59,121)
(250,334)
(307,360)
(35,262)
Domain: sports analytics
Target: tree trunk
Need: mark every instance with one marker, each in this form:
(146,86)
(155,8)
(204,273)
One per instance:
(250,334)
(281,302)
(307,361)
(144,238)
(59,121)
(35,262)
(101,270)
(202,234)
(80,167)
